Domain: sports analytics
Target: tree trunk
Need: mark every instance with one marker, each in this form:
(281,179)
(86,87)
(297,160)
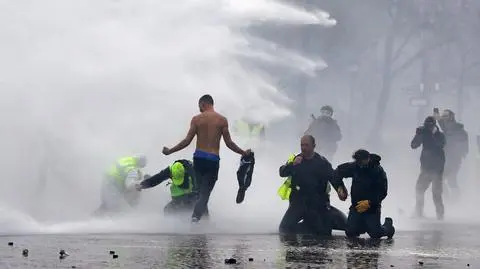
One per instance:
(351,109)
(375,135)
(461,86)
(426,88)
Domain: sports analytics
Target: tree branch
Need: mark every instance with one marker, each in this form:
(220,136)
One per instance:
(416,56)
(402,46)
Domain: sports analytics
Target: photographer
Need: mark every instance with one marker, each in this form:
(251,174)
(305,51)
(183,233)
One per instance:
(432,163)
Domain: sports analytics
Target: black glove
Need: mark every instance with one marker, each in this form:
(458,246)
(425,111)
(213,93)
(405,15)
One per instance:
(146,176)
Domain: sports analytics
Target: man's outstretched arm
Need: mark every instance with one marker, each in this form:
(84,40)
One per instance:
(186,141)
(156,179)
(229,142)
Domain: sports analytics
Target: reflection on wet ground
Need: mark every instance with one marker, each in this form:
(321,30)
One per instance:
(443,247)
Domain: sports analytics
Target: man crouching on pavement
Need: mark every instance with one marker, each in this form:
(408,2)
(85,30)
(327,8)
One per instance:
(310,174)
(369,188)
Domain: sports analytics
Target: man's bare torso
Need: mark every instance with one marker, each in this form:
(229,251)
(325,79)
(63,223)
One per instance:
(209,127)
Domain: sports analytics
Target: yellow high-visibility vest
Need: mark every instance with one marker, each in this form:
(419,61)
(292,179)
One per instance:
(120,170)
(286,188)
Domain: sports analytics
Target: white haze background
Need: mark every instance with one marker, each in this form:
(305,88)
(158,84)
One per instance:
(84,82)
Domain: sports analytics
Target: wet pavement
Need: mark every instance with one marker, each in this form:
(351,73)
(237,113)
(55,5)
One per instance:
(436,246)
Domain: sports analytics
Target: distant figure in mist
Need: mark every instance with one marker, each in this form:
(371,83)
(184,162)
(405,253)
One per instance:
(456,148)
(209,127)
(326,131)
(432,164)
(183,187)
(251,132)
(369,189)
(308,175)
(119,186)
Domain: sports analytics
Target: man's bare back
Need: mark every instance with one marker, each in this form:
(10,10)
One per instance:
(209,127)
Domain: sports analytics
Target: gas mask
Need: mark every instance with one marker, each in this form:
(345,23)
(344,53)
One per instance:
(326,113)
(428,126)
(363,163)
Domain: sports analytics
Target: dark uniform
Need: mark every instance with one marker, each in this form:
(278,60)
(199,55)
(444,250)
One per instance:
(326,131)
(456,148)
(369,187)
(308,199)
(432,163)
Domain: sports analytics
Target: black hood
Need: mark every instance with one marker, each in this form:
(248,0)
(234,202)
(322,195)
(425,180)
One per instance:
(375,159)
(430,121)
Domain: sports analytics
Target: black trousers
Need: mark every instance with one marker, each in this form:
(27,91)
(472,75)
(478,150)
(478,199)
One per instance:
(315,219)
(367,222)
(206,175)
(338,218)
(180,204)
(338,221)
(452,167)
(424,180)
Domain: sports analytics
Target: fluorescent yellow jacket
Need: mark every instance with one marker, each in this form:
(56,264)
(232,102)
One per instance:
(248,130)
(122,168)
(286,188)
(182,178)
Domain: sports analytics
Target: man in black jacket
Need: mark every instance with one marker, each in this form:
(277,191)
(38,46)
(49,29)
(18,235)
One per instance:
(369,189)
(310,174)
(456,148)
(432,163)
(326,131)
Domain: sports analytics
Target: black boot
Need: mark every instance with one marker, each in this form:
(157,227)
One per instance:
(390,230)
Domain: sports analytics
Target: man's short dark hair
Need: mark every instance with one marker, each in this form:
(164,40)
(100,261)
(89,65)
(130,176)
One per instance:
(311,138)
(207,99)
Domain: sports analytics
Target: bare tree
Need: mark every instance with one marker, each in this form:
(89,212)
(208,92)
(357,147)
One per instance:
(420,20)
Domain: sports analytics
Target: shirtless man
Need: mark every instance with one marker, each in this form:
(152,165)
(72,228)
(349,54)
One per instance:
(209,127)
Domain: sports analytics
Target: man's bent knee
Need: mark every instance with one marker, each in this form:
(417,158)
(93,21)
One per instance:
(285,228)
(377,234)
(351,232)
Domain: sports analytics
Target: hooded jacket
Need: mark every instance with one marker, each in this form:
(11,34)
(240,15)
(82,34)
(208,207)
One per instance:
(368,183)
(456,139)
(432,157)
(326,131)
